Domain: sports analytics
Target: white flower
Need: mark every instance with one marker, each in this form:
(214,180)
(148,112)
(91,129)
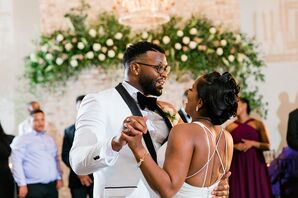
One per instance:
(59,38)
(96,47)
(44,48)
(111,53)
(240,57)
(59,61)
(238,38)
(41,61)
(104,49)
(90,55)
(172,115)
(68,46)
(49,56)
(129,44)
(74,63)
(180,33)
(231,58)
(33,57)
(109,42)
(223,42)
(92,33)
(193,31)
(101,57)
(219,51)
(212,30)
(118,35)
(120,55)
(81,45)
(144,35)
(186,40)
(166,39)
(101,31)
(156,42)
(184,58)
(178,46)
(192,45)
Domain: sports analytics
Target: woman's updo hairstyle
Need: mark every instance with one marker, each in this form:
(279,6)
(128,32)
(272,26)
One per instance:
(219,94)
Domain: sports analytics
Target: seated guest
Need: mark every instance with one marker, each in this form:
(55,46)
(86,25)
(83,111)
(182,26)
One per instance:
(34,157)
(6,179)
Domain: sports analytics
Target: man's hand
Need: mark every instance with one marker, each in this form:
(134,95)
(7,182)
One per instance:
(59,184)
(85,180)
(222,190)
(23,191)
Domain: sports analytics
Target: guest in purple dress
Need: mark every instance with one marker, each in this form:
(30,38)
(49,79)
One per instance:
(250,178)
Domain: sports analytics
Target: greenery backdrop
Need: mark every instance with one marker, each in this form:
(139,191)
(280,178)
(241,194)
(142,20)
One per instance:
(195,46)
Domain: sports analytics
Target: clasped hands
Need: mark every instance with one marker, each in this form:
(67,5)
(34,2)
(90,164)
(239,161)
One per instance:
(132,131)
(245,145)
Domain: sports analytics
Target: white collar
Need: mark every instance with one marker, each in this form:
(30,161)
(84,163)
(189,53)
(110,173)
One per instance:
(131,90)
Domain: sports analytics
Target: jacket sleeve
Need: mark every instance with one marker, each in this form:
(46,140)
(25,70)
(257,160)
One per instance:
(66,146)
(292,133)
(91,150)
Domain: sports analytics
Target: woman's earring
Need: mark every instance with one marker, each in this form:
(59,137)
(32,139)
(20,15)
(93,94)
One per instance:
(197,108)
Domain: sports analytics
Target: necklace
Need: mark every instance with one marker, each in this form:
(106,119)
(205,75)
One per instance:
(202,118)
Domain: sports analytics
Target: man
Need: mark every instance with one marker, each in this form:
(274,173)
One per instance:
(292,133)
(80,185)
(26,125)
(34,157)
(97,147)
(186,118)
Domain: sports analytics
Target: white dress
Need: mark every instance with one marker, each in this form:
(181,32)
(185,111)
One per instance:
(187,190)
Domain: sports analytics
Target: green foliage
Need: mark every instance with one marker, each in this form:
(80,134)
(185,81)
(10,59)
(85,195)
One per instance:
(195,46)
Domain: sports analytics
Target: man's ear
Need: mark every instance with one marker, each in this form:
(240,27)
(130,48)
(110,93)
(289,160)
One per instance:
(134,68)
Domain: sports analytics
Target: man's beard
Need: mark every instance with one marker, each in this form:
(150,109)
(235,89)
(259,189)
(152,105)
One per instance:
(149,85)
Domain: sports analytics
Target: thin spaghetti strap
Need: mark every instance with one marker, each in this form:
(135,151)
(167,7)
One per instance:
(216,149)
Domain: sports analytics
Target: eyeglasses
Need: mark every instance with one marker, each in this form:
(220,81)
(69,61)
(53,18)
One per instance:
(160,69)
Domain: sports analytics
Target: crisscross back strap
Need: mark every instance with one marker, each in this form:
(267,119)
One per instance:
(210,157)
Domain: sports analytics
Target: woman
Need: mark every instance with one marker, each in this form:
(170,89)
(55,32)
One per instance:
(198,153)
(250,178)
(6,179)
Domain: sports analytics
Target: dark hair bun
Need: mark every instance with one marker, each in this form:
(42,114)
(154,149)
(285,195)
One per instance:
(220,96)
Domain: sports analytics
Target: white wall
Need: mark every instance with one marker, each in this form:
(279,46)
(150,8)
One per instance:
(273,24)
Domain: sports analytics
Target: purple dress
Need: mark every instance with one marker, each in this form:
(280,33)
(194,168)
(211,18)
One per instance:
(250,178)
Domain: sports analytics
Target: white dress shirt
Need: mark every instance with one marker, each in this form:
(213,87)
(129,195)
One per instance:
(100,119)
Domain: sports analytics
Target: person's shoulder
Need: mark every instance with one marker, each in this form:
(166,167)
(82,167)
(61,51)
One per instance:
(294,113)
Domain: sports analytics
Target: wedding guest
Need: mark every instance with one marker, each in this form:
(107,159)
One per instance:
(249,177)
(98,146)
(26,125)
(34,157)
(292,133)
(81,186)
(198,153)
(186,118)
(6,179)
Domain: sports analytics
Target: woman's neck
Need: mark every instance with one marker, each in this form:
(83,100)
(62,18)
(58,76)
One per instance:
(243,118)
(200,118)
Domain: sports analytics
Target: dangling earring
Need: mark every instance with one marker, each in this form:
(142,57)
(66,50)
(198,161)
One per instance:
(197,108)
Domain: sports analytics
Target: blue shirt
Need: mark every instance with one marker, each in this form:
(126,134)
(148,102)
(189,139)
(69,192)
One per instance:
(34,159)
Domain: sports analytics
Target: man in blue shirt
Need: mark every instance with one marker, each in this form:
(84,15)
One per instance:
(35,164)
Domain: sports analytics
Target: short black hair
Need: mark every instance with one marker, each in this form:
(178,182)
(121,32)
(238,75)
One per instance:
(80,98)
(219,94)
(245,100)
(139,48)
(36,111)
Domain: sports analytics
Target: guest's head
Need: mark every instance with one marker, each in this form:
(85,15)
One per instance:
(33,105)
(146,67)
(38,120)
(213,96)
(243,106)
(79,100)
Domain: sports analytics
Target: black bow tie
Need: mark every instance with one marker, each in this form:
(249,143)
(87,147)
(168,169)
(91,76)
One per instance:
(144,101)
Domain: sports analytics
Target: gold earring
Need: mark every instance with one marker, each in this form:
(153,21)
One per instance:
(197,108)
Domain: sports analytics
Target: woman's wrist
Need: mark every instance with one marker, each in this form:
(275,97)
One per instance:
(139,153)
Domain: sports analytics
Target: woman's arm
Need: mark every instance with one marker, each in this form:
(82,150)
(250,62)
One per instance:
(166,181)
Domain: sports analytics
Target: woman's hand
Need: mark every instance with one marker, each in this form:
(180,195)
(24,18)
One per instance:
(240,147)
(249,144)
(133,129)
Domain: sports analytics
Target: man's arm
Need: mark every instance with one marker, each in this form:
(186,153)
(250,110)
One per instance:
(66,146)
(92,148)
(292,133)
(18,151)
